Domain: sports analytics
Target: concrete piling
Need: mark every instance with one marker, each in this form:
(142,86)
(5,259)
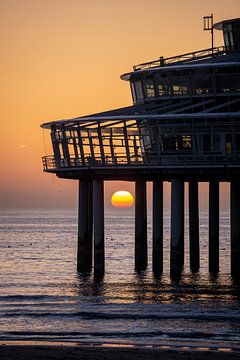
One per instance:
(194,251)
(84,253)
(213,259)
(140,225)
(98,220)
(177,226)
(235,229)
(157,221)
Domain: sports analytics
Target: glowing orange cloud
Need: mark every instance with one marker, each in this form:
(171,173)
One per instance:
(122,199)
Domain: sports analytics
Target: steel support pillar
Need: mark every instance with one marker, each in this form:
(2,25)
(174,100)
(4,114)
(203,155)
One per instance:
(177,227)
(194,251)
(84,253)
(140,226)
(157,236)
(213,227)
(235,229)
(98,219)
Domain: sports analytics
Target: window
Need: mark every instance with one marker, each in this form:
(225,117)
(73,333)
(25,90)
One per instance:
(228,144)
(163,90)
(206,142)
(202,82)
(139,90)
(184,142)
(149,87)
(227,82)
(133,92)
(168,142)
(180,90)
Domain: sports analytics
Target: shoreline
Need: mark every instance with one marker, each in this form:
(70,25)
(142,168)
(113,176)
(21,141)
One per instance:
(21,350)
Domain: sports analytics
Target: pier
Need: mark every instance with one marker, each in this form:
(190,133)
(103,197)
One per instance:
(183,126)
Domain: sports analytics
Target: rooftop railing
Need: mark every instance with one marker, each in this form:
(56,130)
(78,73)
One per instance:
(183,58)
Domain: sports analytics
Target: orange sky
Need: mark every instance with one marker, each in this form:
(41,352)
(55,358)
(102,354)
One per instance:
(63,58)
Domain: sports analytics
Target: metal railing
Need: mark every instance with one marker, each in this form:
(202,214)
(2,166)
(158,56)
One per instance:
(50,163)
(183,58)
(165,160)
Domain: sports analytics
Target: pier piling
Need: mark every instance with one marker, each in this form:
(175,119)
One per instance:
(177,226)
(213,226)
(140,225)
(84,253)
(194,251)
(98,220)
(157,220)
(235,229)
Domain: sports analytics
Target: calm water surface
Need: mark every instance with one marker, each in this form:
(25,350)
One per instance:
(42,296)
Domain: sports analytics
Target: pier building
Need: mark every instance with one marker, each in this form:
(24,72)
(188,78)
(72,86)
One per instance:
(183,126)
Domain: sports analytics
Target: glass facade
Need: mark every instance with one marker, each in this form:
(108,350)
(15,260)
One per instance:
(205,81)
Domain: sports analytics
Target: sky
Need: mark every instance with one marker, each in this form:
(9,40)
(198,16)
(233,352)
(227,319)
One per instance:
(63,58)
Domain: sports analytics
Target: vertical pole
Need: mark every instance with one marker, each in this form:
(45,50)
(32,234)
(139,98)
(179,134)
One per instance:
(213,226)
(194,226)
(98,218)
(55,145)
(157,247)
(76,158)
(90,217)
(101,144)
(177,226)
(91,144)
(135,148)
(80,142)
(65,148)
(212,28)
(235,229)
(140,225)
(84,254)
(112,146)
(126,143)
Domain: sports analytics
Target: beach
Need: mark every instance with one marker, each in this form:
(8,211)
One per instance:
(72,352)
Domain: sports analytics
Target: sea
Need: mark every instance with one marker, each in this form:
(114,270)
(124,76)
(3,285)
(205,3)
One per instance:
(43,298)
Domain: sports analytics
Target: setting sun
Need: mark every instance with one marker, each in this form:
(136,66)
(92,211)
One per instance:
(122,199)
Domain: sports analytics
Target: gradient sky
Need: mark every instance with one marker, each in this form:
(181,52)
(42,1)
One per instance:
(63,58)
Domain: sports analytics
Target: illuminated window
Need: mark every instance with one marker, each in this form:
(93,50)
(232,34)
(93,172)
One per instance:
(163,90)
(187,142)
(149,88)
(180,90)
(184,142)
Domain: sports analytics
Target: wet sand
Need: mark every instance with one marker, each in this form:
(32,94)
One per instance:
(72,352)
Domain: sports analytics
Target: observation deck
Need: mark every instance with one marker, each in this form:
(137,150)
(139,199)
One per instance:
(118,146)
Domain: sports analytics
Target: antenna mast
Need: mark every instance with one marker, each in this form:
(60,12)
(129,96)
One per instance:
(208,26)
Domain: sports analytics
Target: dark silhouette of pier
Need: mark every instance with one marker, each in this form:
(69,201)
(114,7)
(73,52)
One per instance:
(183,126)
